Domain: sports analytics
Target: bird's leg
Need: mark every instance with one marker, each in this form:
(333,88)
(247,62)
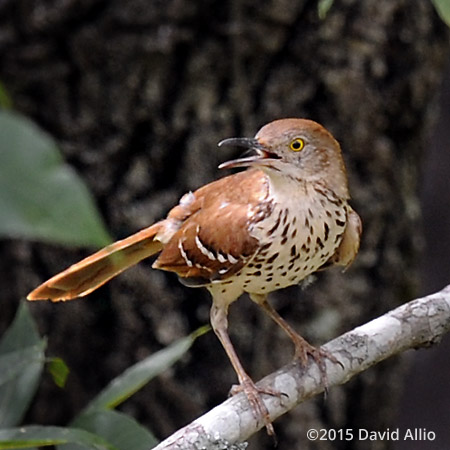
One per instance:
(302,347)
(219,322)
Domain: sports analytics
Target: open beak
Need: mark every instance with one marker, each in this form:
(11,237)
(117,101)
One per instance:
(256,155)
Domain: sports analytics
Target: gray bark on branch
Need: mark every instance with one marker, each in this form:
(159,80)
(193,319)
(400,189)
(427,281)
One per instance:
(419,323)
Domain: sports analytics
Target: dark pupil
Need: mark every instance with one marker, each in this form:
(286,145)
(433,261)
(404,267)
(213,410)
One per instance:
(296,145)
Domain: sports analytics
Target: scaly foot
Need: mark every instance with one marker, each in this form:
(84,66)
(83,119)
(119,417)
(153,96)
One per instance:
(303,349)
(254,394)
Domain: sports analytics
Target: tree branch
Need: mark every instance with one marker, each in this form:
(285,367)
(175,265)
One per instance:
(419,323)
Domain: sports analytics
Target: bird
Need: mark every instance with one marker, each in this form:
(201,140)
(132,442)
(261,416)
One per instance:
(255,231)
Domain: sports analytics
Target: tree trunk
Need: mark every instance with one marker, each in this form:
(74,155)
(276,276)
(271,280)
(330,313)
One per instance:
(138,93)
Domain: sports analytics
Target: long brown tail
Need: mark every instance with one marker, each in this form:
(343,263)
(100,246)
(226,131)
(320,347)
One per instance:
(90,273)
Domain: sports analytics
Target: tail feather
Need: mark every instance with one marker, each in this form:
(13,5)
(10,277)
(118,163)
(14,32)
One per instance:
(95,270)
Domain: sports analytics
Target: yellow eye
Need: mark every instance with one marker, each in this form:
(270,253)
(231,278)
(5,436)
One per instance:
(297,144)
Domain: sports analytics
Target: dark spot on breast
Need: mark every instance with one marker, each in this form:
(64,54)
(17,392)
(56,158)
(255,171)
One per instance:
(293,250)
(277,224)
(338,237)
(258,266)
(306,222)
(283,274)
(297,256)
(327,231)
(305,248)
(286,213)
(280,267)
(266,246)
(335,201)
(340,223)
(285,231)
(269,279)
(319,243)
(284,240)
(272,258)
(291,266)
(256,274)
(294,233)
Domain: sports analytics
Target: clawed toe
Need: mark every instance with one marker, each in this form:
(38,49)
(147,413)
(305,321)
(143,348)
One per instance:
(304,349)
(254,394)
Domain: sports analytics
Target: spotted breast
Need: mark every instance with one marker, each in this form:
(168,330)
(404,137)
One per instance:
(296,239)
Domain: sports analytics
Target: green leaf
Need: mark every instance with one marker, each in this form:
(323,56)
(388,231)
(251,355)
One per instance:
(22,332)
(58,370)
(137,376)
(21,363)
(443,9)
(42,198)
(13,364)
(34,436)
(323,7)
(118,428)
(5,99)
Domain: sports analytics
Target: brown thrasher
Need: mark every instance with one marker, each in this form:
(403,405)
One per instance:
(256,231)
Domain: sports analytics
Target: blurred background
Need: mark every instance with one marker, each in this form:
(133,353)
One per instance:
(136,95)
(426,399)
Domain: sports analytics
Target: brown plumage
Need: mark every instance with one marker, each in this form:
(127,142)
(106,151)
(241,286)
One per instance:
(256,231)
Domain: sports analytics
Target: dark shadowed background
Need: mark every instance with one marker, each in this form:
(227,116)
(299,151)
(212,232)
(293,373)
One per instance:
(426,397)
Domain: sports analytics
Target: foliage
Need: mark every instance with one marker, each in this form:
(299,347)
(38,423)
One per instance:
(41,198)
(21,365)
(98,426)
(323,7)
(443,9)
(5,99)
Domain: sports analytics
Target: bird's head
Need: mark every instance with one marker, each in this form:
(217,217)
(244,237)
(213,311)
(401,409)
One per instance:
(297,148)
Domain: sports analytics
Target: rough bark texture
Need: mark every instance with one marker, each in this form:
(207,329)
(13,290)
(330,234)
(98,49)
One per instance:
(138,93)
